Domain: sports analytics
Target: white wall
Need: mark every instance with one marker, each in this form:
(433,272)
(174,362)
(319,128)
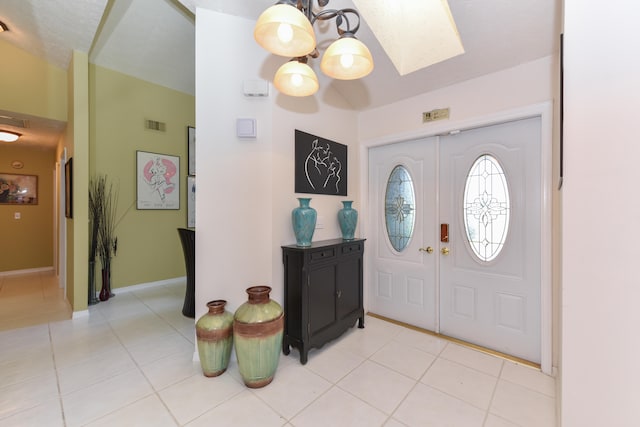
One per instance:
(233,176)
(246,187)
(526,84)
(601,209)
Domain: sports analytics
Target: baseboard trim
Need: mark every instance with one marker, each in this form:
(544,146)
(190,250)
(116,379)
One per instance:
(148,285)
(26,271)
(80,314)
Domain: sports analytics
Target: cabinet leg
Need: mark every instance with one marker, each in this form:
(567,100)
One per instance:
(361,322)
(304,353)
(285,347)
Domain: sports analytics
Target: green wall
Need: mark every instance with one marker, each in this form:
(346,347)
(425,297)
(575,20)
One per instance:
(148,245)
(28,242)
(30,85)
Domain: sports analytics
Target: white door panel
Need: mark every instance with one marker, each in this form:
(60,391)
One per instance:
(494,303)
(403,284)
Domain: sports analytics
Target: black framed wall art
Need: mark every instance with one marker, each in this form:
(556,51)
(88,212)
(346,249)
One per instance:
(320,165)
(68,188)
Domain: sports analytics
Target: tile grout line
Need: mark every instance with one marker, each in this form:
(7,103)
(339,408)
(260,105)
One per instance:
(55,367)
(137,367)
(493,394)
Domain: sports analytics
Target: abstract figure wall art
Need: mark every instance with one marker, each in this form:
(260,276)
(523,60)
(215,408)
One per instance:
(320,165)
(158,181)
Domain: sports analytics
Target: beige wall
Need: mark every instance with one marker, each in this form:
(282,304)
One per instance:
(27,243)
(30,85)
(148,245)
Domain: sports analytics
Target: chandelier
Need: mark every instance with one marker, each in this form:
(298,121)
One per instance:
(286,29)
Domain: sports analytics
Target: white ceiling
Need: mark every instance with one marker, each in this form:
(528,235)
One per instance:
(155,40)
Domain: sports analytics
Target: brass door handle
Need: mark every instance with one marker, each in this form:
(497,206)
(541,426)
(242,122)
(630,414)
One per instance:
(428,250)
(444,251)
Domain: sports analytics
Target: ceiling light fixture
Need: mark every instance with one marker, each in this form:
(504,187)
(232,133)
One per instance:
(8,136)
(286,29)
(3,27)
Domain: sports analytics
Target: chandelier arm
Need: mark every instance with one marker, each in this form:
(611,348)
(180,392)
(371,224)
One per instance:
(339,14)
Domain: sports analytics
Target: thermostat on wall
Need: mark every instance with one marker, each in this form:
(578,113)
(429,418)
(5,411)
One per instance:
(246,128)
(255,88)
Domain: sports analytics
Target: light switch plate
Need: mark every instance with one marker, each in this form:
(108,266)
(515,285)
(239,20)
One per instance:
(246,128)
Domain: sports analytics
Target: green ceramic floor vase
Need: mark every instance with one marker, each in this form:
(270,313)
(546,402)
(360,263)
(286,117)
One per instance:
(214,332)
(257,332)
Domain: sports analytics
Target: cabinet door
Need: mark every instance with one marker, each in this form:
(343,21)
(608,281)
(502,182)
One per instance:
(349,292)
(322,297)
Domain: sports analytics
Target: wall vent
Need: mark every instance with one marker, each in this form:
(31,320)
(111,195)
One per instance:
(155,125)
(12,121)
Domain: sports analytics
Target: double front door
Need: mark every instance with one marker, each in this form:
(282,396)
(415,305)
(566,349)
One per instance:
(457,240)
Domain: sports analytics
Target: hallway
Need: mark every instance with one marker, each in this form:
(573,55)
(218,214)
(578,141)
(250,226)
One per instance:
(31,299)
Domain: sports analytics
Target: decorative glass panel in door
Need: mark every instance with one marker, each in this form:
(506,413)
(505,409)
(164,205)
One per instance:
(400,207)
(486,208)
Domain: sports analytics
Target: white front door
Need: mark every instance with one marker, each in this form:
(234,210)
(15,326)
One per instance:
(481,283)
(490,278)
(404,272)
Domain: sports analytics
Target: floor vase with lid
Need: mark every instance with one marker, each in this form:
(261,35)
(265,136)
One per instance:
(303,219)
(214,332)
(257,333)
(348,219)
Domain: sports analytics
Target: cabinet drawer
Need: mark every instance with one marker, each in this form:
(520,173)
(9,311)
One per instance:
(352,248)
(323,255)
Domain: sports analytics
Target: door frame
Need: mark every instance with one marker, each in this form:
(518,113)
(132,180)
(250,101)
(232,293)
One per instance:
(545,112)
(61,267)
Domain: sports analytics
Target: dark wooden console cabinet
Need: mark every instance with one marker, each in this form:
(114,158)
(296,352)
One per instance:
(322,293)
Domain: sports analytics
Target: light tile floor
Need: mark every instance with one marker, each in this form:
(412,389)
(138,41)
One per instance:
(130,363)
(31,299)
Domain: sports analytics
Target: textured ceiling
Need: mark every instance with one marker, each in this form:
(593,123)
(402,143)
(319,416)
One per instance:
(51,29)
(155,40)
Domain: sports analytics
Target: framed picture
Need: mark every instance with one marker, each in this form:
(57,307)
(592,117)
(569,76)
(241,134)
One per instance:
(191,201)
(320,165)
(191,146)
(68,188)
(157,181)
(18,189)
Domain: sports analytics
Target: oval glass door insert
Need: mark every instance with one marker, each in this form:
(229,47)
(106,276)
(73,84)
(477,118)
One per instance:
(486,207)
(400,208)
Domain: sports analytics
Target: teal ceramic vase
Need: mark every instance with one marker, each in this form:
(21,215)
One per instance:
(303,219)
(348,219)
(214,332)
(257,333)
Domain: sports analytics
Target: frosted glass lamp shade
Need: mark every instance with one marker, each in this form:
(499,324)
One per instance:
(284,30)
(346,59)
(296,79)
